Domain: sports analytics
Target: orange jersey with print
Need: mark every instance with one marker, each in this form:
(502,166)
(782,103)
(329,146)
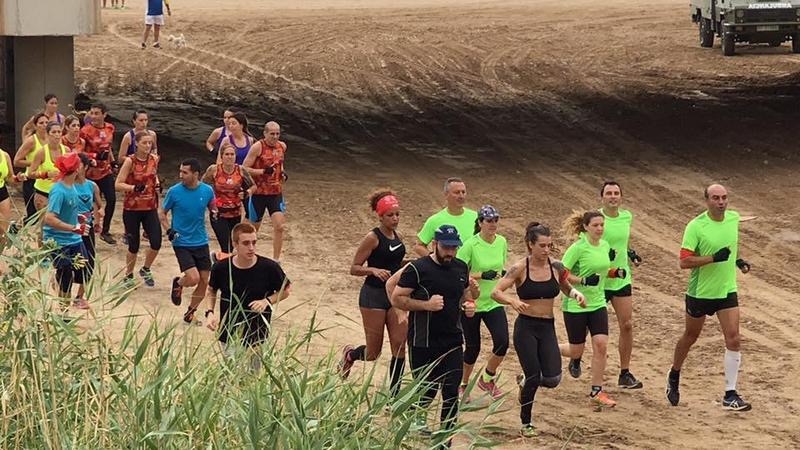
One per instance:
(98,147)
(77,146)
(142,172)
(227,187)
(270,183)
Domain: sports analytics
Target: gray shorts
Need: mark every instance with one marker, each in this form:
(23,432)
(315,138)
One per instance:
(373,297)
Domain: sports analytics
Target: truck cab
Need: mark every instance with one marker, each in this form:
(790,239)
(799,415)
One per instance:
(750,21)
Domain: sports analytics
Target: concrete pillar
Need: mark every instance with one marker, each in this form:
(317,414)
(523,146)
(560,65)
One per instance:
(42,65)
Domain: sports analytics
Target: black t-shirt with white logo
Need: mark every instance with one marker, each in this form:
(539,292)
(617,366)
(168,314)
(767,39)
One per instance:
(387,255)
(440,329)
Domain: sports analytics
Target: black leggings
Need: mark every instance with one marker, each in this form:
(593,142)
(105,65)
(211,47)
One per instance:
(497,323)
(446,371)
(222,229)
(149,221)
(537,348)
(106,186)
(27,197)
(86,274)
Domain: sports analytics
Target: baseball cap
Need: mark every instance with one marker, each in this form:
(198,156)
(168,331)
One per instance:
(488,212)
(447,235)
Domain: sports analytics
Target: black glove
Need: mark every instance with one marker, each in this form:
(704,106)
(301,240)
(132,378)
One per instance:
(139,187)
(269,170)
(617,273)
(612,254)
(102,156)
(489,275)
(636,259)
(115,165)
(591,280)
(743,265)
(171,234)
(722,255)
(503,272)
(284,176)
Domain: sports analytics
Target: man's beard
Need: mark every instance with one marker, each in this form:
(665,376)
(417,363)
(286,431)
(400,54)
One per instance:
(443,260)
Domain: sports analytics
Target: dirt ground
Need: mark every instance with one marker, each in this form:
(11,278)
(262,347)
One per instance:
(534,103)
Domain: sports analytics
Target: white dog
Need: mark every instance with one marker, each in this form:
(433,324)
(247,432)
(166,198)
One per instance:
(177,41)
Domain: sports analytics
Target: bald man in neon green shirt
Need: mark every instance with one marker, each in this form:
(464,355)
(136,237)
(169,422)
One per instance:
(455,194)
(710,249)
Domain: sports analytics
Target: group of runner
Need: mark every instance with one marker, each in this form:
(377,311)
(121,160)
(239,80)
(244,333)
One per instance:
(436,303)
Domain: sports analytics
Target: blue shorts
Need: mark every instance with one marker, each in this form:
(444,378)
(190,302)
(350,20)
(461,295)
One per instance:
(259,203)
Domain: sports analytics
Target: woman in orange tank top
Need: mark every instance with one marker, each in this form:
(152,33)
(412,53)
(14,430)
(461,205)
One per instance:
(72,134)
(231,185)
(138,180)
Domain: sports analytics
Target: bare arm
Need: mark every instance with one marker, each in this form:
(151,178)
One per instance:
(250,159)
(29,126)
(368,244)
(211,172)
(421,249)
(164,219)
(212,139)
(120,184)
(391,283)
(38,159)
(123,146)
(155,142)
(690,262)
(22,153)
(248,180)
(98,211)
(401,299)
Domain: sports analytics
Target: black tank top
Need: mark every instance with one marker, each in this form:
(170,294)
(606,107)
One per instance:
(538,290)
(387,255)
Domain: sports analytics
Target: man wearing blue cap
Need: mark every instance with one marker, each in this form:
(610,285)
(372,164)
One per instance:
(435,289)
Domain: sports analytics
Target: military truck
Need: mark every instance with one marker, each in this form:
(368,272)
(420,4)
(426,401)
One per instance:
(753,21)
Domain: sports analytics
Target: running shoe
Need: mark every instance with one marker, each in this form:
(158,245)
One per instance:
(147,276)
(490,387)
(628,381)
(345,364)
(188,317)
(528,431)
(575,368)
(108,238)
(144,46)
(80,303)
(673,394)
(177,291)
(156,45)
(601,399)
(733,402)
(463,395)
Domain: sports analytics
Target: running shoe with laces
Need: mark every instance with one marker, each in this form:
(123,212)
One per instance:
(345,363)
(490,387)
(528,431)
(628,381)
(733,402)
(147,277)
(673,393)
(575,368)
(176,292)
(603,400)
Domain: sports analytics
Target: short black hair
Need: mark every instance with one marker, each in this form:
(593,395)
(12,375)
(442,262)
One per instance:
(609,183)
(100,106)
(193,163)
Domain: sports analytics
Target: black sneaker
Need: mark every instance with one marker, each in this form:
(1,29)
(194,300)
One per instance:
(147,276)
(673,394)
(177,291)
(628,381)
(189,316)
(108,238)
(733,402)
(575,368)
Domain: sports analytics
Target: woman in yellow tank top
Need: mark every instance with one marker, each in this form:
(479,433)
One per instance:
(6,175)
(24,157)
(44,168)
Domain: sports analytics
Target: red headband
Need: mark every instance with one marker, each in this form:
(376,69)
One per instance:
(386,204)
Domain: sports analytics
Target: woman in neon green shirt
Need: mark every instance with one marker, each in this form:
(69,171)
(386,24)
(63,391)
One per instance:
(43,167)
(485,254)
(589,255)
(23,158)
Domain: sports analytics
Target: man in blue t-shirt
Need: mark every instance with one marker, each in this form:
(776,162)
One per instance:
(154,18)
(188,201)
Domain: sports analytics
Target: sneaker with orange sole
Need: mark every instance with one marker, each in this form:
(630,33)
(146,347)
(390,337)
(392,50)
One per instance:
(603,400)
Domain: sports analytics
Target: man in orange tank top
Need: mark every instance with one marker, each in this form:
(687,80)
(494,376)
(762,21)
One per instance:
(99,135)
(265,162)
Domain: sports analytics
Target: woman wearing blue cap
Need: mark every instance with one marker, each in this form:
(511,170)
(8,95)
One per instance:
(485,254)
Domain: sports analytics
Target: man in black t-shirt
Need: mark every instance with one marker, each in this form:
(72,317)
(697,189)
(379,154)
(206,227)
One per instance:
(435,289)
(250,286)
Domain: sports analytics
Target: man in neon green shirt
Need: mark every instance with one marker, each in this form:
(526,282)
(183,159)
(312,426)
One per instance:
(455,194)
(710,249)
(617,232)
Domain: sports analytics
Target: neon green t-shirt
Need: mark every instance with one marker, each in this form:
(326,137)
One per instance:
(704,236)
(584,259)
(481,256)
(617,232)
(464,223)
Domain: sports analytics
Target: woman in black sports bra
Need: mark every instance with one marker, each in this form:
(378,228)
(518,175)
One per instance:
(380,255)
(538,280)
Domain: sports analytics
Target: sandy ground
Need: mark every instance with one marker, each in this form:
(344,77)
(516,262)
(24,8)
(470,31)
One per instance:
(534,103)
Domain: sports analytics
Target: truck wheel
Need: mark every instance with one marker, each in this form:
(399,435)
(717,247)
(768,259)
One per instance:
(796,43)
(728,44)
(706,33)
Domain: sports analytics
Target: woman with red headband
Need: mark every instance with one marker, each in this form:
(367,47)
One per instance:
(65,225)
(380,255)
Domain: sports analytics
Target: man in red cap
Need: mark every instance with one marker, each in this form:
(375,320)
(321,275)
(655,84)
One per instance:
(64,228)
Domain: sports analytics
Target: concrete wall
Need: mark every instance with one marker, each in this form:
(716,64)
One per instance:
(49,17)
(42,65)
